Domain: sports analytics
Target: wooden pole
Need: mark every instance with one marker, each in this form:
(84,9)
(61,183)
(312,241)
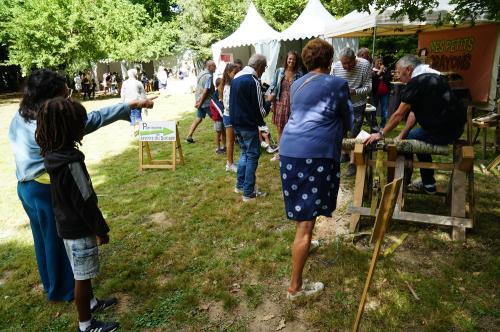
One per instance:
(387,204)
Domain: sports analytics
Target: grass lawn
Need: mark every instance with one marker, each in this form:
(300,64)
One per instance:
(186,254)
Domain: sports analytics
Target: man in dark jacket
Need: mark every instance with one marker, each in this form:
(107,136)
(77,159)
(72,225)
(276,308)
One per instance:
(248,111)
(428,100)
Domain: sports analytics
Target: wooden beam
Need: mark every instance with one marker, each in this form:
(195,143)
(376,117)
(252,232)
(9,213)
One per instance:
(387,203)
(423,218)
(391,156)
(357,199)
(466,158)
(458,200)
(359,157)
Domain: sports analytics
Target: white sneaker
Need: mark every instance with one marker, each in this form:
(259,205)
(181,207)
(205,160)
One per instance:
(307,289)
(254,195)
(264,145)
(271,149)
(315,244)
(231,168)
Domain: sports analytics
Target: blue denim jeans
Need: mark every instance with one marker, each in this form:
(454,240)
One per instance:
(249,159)
(424,136)
(381,103)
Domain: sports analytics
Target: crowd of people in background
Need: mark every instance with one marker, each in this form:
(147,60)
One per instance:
(313,110)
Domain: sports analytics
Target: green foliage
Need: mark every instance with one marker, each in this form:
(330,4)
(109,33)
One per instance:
(391,47)
(70,34)
(465,10)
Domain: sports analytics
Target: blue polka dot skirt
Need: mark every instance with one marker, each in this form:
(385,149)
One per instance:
(310,187)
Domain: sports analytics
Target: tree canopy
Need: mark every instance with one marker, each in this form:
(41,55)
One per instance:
(70,34)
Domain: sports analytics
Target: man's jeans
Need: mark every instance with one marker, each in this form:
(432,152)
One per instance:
(359,114)
(249,159)
(424,136)
(383,102)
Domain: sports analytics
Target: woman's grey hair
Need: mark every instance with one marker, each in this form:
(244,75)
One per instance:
(132,73)
(409,61)
(257,60)
(347,53)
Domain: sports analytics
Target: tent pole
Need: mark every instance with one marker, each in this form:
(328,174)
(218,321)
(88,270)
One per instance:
(373,44)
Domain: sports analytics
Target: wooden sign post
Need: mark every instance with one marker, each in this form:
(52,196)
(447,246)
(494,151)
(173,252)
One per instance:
(159,131)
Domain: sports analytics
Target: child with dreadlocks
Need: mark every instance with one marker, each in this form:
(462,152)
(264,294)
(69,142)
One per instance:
(60,129)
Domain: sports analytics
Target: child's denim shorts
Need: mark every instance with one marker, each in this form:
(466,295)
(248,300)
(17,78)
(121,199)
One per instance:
(135,116)
(83,256)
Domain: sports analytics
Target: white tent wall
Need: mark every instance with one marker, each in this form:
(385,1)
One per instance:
(341,43)
(271,50)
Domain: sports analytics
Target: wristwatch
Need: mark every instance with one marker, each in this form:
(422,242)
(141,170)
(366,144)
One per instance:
(381,132)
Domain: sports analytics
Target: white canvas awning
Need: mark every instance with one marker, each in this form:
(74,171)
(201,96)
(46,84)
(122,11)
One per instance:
(361,24)
(314,21)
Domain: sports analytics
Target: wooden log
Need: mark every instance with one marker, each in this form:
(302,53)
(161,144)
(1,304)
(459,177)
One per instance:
(402,146)
(417,164)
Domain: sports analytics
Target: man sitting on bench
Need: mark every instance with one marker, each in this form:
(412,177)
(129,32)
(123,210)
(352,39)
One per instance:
(428,101)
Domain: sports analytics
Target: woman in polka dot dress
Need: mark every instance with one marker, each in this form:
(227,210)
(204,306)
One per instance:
(310,153)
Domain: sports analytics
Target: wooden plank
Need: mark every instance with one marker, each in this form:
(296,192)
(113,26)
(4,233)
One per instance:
(400,173)
(391,156)
(178,141)
(430,219)
(359,157)
(494,163)
(141,156)
(466,158)
(358,195)
(157,166)
(458,196)
(387,204)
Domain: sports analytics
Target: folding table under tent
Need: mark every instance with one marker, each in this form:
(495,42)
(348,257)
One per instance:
(254,35)
(313,22)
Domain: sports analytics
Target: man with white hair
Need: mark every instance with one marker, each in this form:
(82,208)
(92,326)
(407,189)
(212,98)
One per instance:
(133,89)
(248,111)
(429,101)
(358,74)
(204,90)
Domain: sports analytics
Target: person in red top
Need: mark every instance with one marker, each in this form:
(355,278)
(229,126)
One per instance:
(381,87)
(216,112)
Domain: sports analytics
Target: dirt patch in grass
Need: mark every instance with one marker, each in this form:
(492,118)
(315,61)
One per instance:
(269,317)
(161,220)
(124,305)
(5,276)
(37,288)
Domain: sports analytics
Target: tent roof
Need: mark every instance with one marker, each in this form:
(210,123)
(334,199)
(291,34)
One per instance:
(252,30)
(314,21)
(359,24)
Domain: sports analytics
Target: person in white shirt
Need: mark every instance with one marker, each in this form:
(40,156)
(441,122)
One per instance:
(133,89)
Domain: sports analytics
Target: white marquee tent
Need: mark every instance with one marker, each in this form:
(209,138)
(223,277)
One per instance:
(313,22)
(254,35)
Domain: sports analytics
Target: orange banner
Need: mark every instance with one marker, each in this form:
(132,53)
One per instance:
(468,52)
